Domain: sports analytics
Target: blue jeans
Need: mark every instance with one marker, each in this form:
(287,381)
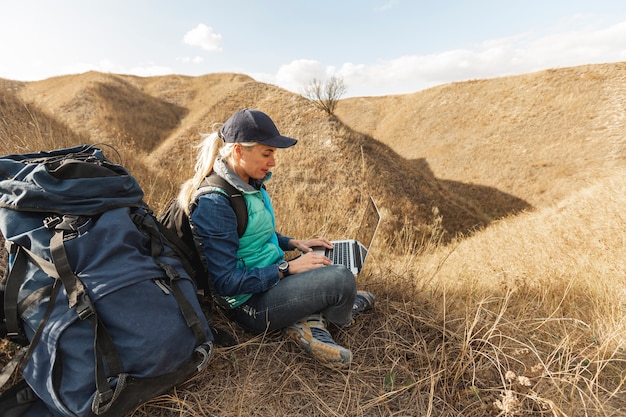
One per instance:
(329,290)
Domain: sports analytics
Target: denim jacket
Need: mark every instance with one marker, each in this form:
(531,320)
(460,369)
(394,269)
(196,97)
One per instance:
(216,224)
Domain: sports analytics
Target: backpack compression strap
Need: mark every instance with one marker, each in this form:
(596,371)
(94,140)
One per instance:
(106,357)
(104,349)
(154,231)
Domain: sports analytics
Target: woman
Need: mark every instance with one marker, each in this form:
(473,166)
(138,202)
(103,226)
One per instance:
(263,292)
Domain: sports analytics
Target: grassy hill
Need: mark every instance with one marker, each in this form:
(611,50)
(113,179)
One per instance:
(538,136)
(161,119)
(498,269)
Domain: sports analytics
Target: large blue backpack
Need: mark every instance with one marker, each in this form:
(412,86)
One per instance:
(94,290)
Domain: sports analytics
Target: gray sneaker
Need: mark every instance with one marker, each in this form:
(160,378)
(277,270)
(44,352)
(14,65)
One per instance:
(363,302)
(314,338)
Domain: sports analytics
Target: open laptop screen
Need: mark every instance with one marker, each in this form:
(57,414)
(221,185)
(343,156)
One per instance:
(369,224)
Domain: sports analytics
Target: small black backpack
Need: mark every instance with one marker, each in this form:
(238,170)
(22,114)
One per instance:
(176,220)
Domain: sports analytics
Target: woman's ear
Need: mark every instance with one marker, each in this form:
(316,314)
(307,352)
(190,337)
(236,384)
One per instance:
(238,150)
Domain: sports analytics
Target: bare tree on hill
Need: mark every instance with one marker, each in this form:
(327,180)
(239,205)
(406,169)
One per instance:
(325,95)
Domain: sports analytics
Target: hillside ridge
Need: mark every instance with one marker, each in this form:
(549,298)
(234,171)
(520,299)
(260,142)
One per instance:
(464,154)
(537,136)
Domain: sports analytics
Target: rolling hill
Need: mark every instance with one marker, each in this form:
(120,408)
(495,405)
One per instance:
(477,151)
(538,136)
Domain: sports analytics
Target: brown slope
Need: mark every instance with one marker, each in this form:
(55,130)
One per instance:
(537,136)
(205,106)
(25,128)
(331,165)
(108,107)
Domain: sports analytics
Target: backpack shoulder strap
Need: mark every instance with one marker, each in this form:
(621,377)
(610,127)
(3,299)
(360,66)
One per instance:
(237,202)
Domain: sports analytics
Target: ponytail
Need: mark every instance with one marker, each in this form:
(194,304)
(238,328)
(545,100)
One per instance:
(211,147)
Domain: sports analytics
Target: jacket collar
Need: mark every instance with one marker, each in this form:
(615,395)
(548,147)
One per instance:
(223,170)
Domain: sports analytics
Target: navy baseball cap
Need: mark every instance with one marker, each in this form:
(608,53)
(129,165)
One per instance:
(254,126)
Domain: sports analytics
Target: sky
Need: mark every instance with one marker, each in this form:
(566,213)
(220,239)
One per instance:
(377,47)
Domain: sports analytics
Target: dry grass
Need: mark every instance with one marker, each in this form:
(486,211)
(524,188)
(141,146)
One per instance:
(499,270)
(538,136)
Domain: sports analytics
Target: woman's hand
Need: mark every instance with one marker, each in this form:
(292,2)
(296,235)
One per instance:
(306,246)
(307,262)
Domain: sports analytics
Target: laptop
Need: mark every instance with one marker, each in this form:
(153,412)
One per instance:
(353,252)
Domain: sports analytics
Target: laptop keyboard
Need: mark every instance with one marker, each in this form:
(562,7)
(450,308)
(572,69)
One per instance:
(340,254)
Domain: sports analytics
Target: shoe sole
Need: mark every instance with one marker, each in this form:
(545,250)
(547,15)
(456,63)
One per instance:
(330,355)
(371,300)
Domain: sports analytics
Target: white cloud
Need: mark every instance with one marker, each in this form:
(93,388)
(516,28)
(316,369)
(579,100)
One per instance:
(296,74)
(519,54)
(204,37)
(579,47)
(151,70)
(386,6)
(190,59)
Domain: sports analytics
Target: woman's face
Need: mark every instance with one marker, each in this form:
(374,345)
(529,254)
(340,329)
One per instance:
(254,162)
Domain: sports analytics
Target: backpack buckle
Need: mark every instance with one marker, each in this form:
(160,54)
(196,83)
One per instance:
(170,271)
(66,222)
(69,223)
(51,222)
(204,351)
(84,307)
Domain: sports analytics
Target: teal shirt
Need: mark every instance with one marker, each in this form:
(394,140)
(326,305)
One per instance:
(258,247)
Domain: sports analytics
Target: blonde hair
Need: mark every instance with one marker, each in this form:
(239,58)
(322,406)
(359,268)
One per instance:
(210,148)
